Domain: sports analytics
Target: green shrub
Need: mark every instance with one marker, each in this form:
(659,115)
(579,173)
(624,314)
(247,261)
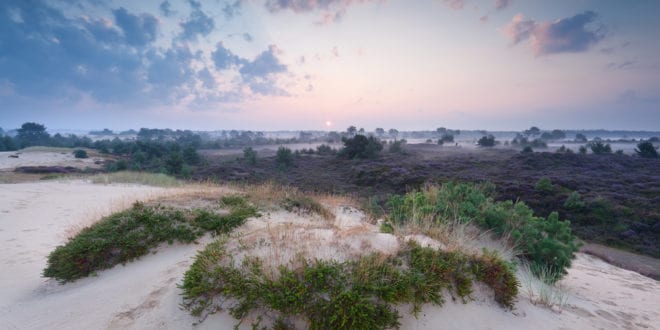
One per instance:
(396,146)
(646,149)
(600,148)
(527,150)
(582,150)
(127,235)
(80,153)
(486,141)
(357,294)
(544,185)
(325,149)
(250,155)
(548,242)
(284,156)
(574,202)
(360,146)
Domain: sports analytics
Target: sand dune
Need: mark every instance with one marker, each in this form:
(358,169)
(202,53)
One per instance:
(36,217)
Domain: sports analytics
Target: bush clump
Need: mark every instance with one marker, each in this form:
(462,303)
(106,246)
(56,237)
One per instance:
(544,185)
(546,242)
(130,234)
(646,149)
(284,157)
(486,141)
(361,146)
(80,153)
(250,155)
(357,294)
(600,148)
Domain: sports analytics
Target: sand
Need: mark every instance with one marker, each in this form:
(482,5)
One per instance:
(41,156)
(36,217)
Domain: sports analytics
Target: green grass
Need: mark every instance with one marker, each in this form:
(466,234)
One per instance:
(144,178)
(357,294)
(544,242)
(127,235)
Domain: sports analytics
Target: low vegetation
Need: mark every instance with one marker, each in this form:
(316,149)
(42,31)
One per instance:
(357,294)
(130,234)
(547,243)
(130,177)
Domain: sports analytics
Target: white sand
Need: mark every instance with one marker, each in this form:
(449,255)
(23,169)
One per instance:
(39,156)
(35,217)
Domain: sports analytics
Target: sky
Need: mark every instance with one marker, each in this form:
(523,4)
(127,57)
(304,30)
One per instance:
(329,64)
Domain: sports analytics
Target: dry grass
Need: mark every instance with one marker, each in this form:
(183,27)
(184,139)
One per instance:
(540,290)
(143,178)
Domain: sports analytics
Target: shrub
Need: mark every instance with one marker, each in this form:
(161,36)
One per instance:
(357,294)
(284,156)
(447,138)
(80,153)
(582,150)
(396,146)
(574,202)
(600,148)
(544,242)
(360,146)
(544,185)
(325,149)
(527,150)
(646,149)
(487,141)
(127,235)
(250,155)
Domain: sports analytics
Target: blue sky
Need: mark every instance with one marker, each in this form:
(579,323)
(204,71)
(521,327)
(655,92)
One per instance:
(328,64)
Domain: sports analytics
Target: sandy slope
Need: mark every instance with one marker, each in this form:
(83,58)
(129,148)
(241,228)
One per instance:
(40,156)
(35,217)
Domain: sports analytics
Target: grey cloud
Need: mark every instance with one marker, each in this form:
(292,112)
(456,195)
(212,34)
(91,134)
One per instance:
(333,10)
(455,4)
(232,9)
(138,30)
(166,9)
(198,23)
(502,4)
(223,58)
(264,64)
(568,35)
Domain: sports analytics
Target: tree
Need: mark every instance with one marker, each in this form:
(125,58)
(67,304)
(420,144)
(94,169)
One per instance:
(32,134)
(441,130)
(646,149)
(487,141)
(447,138)
(361,147)
(351,130)
(250,155)
(393,133)
(380,131)
(579,137)
(600,148)
(532,131)
(284,156)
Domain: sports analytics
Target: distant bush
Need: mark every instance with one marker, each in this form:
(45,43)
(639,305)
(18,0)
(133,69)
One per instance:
(544,185)
(579,137)
(447,138)
(646,149)
(600,148)
(582,150)
(396,146)
(527,150)
(130,234)
(487,141)
(79,153)
(325,149)
(360,146)
(284,156)
(250,155)
(574,202)
(544,242)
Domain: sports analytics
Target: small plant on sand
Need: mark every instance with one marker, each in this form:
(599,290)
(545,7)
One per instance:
(127,235)
(542,241)
(80,153)
(356,294)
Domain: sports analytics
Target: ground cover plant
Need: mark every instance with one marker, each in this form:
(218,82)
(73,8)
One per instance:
(358,294)
(130,234)
(547,243)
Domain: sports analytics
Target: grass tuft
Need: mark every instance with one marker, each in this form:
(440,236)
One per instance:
(127,235)
(144,178)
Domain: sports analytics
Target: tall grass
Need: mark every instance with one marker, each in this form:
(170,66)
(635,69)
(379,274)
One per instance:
(130,177)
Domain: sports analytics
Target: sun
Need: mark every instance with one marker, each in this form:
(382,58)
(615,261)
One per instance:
(328,123)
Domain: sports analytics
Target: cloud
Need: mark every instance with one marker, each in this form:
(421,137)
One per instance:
(232,9)
(625,65)
(264,64)
(455,4)
(138,30)
(223,58)
(332,10)
(198,23)
(502,4)
(568,35)
(165,9)
(248,37)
